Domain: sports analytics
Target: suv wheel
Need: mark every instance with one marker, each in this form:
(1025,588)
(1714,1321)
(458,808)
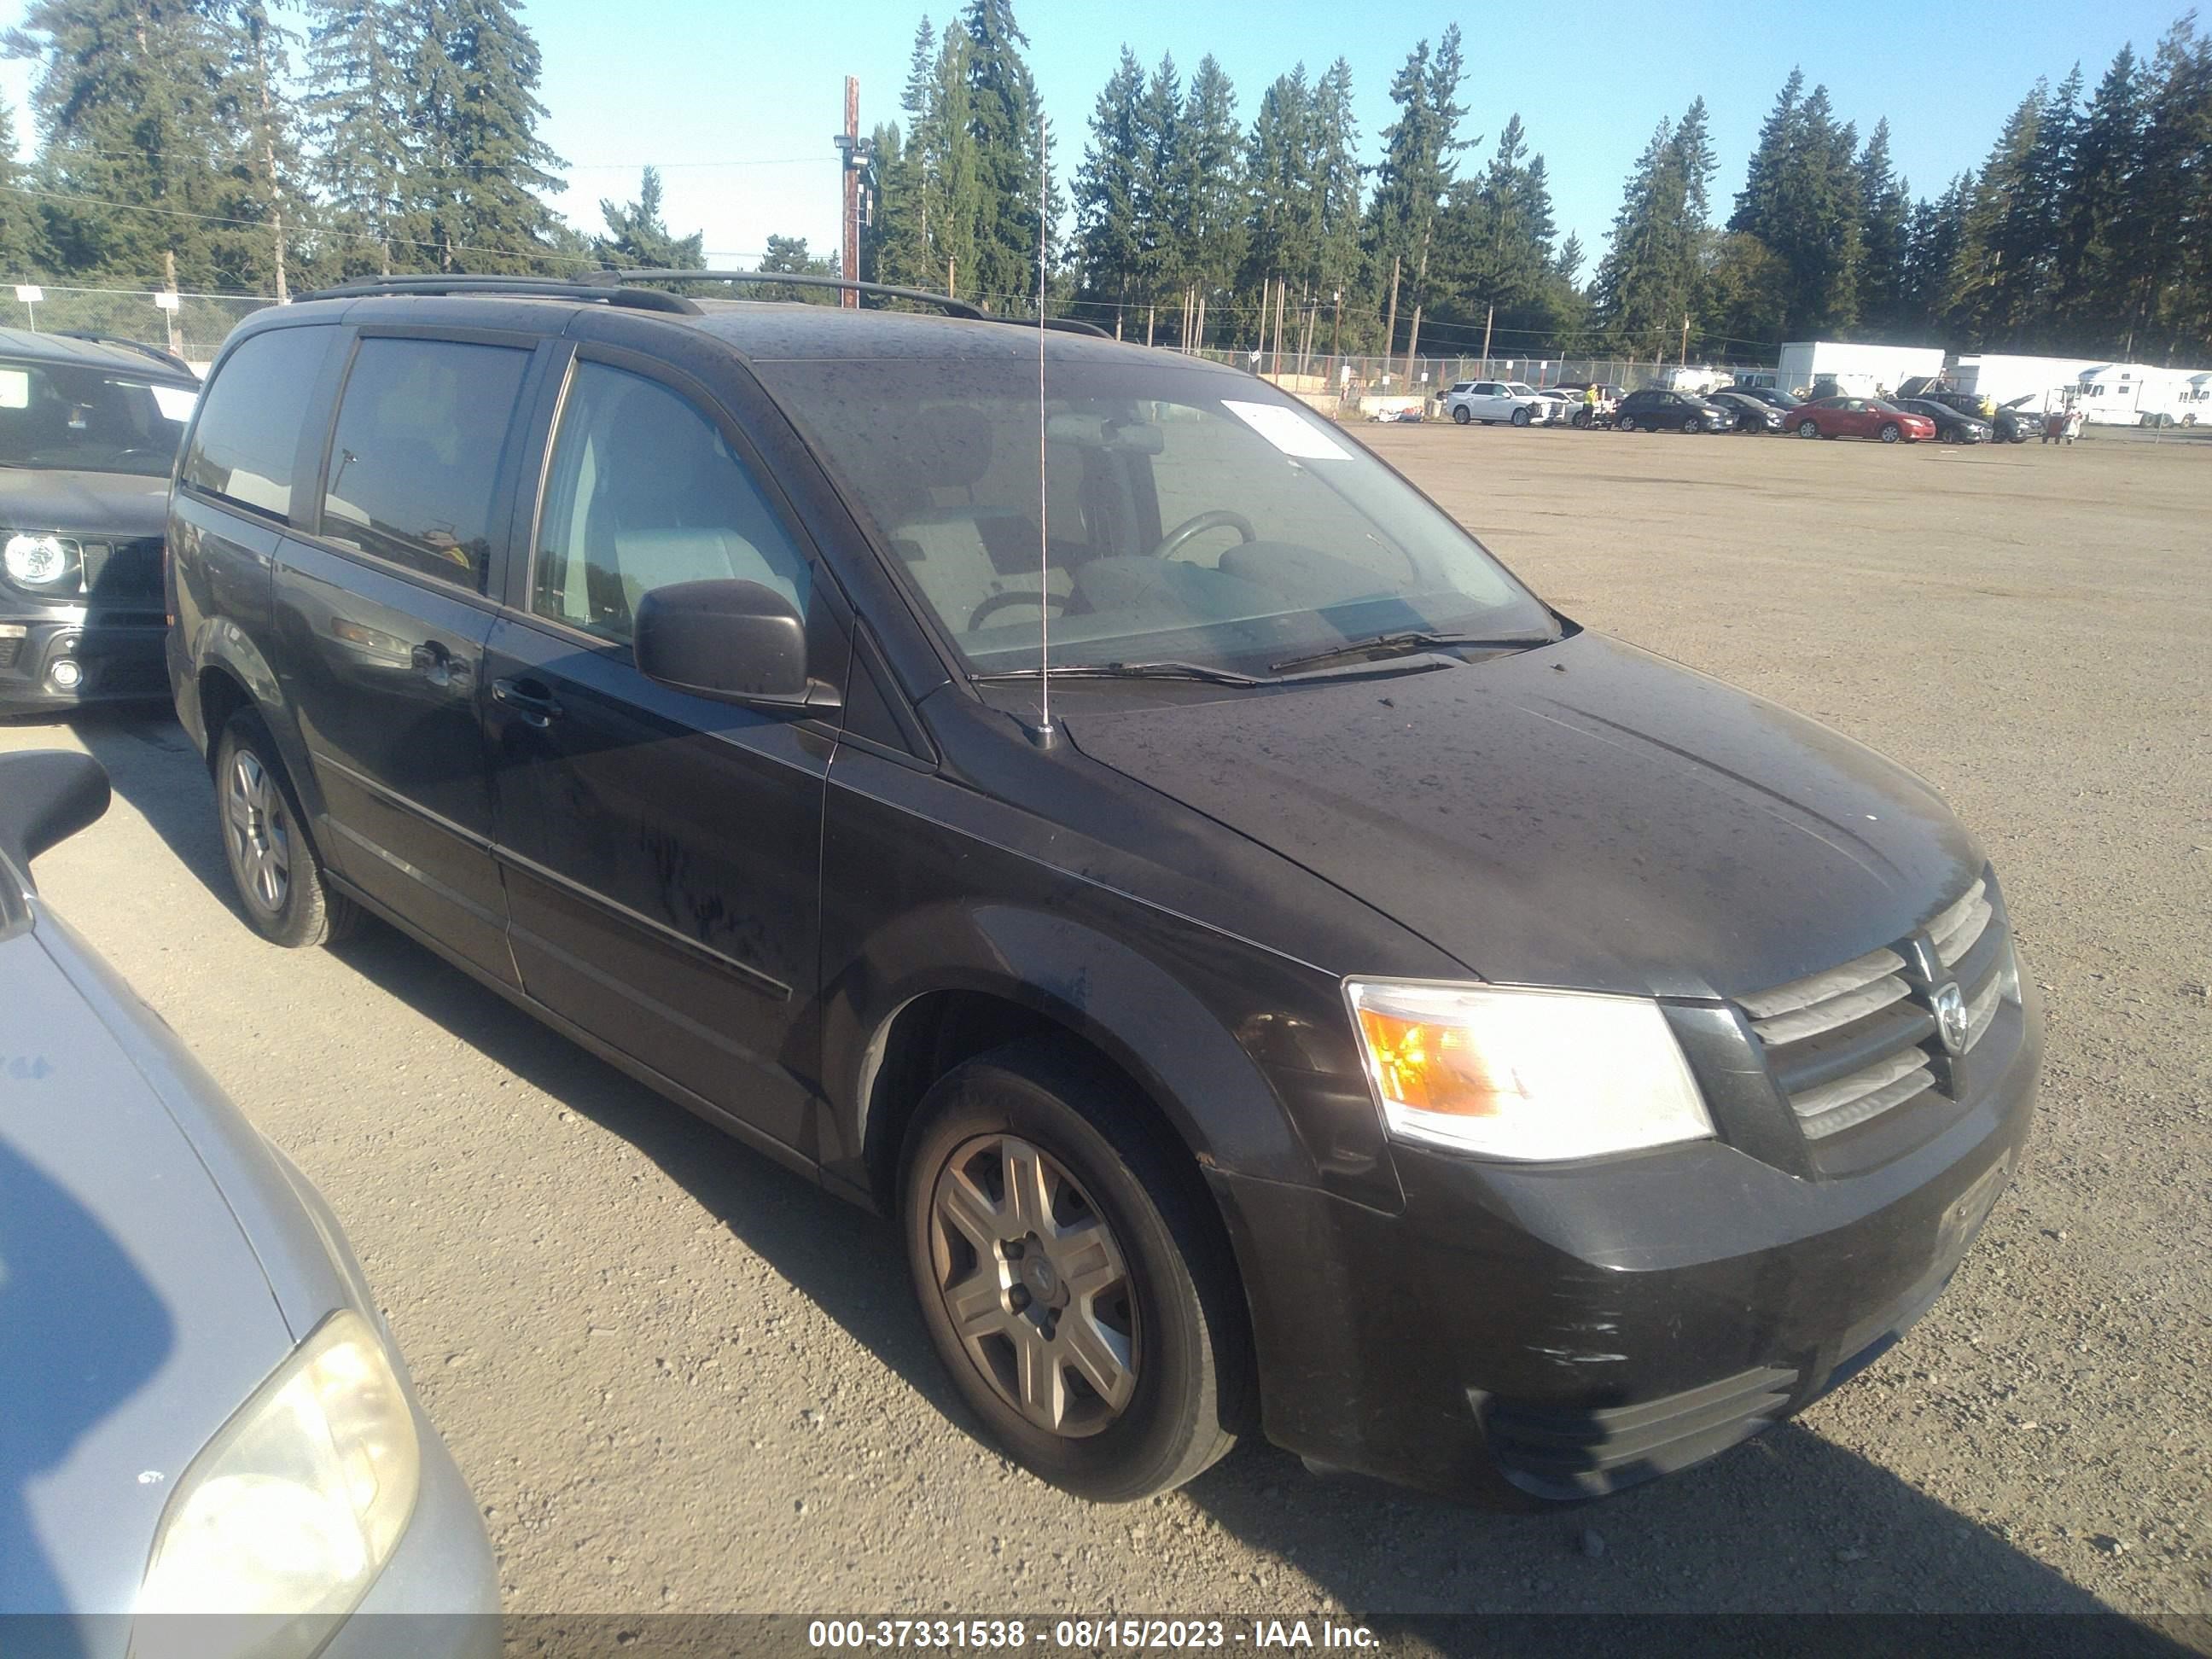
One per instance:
(1460,414)
(1521,417)
(1083,1309)
(272,863)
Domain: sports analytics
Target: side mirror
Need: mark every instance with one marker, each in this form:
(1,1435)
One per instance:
(47,795)
(736,642)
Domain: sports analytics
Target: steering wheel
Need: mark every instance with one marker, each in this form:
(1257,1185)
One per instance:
(1172,543)
(998,601)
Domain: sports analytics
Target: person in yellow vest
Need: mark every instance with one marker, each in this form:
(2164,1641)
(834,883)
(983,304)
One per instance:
(1589,406)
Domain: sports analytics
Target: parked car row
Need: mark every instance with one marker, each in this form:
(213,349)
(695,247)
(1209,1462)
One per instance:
(674,669)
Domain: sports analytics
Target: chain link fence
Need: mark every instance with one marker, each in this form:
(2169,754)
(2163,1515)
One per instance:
(194,331)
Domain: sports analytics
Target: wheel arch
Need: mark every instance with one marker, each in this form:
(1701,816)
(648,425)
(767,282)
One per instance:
(230,673)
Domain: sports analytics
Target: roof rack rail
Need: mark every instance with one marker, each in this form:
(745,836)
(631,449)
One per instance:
(96,337)
(594,286)
(634,290)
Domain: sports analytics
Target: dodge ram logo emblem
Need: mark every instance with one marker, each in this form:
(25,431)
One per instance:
(1951,1017)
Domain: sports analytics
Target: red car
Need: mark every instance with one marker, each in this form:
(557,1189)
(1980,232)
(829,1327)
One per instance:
(1859,418)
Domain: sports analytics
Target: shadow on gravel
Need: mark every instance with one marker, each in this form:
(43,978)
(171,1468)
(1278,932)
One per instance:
(1787,1523)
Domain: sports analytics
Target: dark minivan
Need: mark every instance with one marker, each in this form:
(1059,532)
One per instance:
(1350,1000)
(88,431)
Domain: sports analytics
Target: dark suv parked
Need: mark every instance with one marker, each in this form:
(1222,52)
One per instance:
(88,431)
(1350,999)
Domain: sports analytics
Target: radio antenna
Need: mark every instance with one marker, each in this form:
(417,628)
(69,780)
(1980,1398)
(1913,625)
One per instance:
(1044,734)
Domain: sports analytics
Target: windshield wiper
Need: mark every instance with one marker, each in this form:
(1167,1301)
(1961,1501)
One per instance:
(1381,645)
(1128,671)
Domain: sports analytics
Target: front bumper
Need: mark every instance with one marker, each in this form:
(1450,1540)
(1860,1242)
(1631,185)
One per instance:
(1528,1333)
(68,662)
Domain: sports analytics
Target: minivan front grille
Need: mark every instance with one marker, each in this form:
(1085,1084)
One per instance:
(1847,1044)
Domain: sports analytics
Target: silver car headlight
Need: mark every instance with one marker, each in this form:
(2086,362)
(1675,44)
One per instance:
(1527,1075)
(298,1502)
(38,560)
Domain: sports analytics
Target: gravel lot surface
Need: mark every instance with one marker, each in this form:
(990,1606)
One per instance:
(680,1378)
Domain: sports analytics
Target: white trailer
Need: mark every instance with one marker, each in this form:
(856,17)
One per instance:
(2137,394)
(2000,377)
(1858,370)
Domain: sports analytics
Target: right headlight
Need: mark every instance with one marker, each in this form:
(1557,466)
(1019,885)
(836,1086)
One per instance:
(38,560)
(296,1505)
(1527,1075)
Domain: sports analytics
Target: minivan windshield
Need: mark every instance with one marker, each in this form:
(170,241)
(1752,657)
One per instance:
(1195,516)
(89,420)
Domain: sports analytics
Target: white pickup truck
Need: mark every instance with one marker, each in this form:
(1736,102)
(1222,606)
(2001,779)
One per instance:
(1493,401)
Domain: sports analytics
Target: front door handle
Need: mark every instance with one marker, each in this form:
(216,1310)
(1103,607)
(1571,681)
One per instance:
(532,701)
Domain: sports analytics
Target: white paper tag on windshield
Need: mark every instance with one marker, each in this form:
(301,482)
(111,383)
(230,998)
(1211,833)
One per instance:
(175,402)
(1288,430)
(15,388)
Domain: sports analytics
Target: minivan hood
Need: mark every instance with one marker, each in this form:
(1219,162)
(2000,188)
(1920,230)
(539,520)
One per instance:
(115,504)
(1584,815)
(135,1316)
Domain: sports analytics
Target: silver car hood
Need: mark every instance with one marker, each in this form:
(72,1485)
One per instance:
(136,1315)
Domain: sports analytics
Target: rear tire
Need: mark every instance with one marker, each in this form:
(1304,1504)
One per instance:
(1460,414)
(1626,423)
(1807,429)
(273,864)
(1027,1174)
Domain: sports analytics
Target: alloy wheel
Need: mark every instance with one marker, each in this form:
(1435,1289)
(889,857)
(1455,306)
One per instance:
(1035,1285)
(259,832)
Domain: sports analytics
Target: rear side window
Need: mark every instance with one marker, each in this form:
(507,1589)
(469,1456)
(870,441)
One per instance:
(644,491)
(415,454)
(242,449)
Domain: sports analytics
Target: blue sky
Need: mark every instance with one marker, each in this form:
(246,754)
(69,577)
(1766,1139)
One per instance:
(736,103)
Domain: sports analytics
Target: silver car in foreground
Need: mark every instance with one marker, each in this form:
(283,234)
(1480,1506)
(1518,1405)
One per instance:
(201,1411)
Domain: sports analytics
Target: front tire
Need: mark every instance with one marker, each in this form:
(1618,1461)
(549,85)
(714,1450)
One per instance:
(1520,417)
(1692,425)
(1891,432)
(1069,1275)
(273,866)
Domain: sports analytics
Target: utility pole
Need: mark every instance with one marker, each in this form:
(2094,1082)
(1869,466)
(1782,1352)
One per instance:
(1412,344)
(1683,362)
(1488,317)
(1201,319)
(1151,315)
(1282,297)
(169,278)
(855,158)
(1266,302)
(1336,322)
(1305,340)
(1390,320)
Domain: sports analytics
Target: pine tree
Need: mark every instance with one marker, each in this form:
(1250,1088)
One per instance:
(2164,228)
(481,165)
(1004,116)
(1417,171)
(1989,289)
(2092,270)
(900,248)
(1210,181)
(1108,238)
(1285,222)
(1758,207)
(136,116)
(1337,184)
(638,237)
(357,115)
(23,255)
(956,167)
(271,175)
(1938,232)
(788,255)
(1159,212)
(1884,212)
(1647,282)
